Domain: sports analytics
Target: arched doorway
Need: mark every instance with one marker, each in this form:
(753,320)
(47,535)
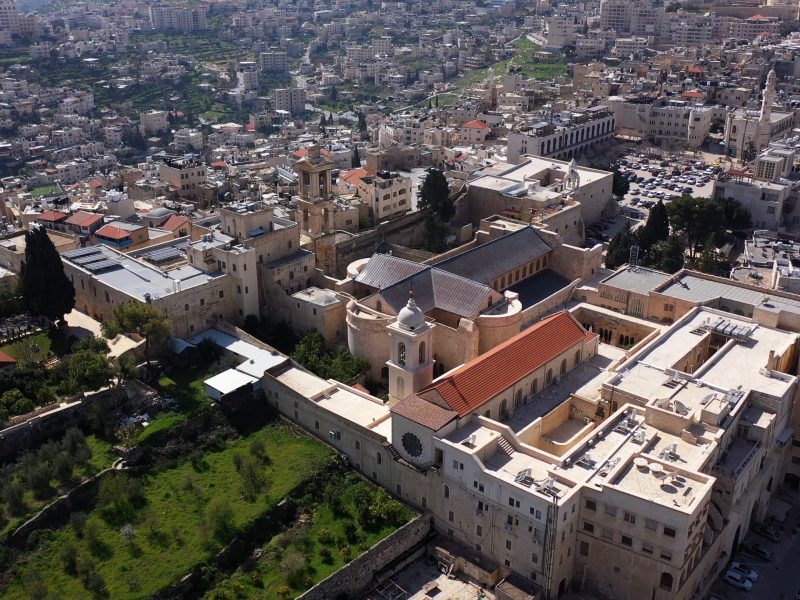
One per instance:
(562,587)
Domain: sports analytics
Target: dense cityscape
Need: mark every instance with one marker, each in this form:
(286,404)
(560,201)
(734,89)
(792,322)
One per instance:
(492,299)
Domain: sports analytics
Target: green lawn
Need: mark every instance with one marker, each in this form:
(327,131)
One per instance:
(172,529)
(43,190)
(45,341)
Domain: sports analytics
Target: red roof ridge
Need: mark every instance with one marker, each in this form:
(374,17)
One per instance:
(486,376)
(476,124)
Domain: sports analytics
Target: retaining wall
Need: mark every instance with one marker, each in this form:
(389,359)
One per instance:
(354,579)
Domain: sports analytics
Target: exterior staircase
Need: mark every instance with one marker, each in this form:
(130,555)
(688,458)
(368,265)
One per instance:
(505,447)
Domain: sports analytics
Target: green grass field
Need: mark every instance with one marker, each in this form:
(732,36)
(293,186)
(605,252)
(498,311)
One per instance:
(43,190)
(46,342)
(172,532)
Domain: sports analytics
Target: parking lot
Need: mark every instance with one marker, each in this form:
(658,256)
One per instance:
(666,178)
(779,578)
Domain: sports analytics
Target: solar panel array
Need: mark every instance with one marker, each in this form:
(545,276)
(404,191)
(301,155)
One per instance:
(89,258)
(103,265)
(162,255)
(77,253)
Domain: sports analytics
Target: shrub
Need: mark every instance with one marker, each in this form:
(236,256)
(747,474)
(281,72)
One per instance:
(69,558)
(326,556)
(78,521)
(324,535)
(219,516)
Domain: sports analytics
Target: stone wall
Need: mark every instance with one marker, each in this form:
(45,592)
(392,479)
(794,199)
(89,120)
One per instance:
(355,578)
(58,511)
(33,431)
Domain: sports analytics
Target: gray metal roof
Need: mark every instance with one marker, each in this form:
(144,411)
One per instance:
(434,288)
(698,289)
(384,270)
(637,279)
(489,261)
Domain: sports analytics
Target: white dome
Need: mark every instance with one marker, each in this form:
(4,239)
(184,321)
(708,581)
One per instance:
(410,316)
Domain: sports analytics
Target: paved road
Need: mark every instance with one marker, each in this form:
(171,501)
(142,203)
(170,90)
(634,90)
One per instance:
(778,580)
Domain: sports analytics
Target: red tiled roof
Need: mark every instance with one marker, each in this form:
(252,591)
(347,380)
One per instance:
(476,124)
(695,70)
(112,232)
(6,359)
(352,177)
(303,152)
(174,222)
(84,219)
(488,375)
(53,216)
(95,183)
(360,388)
(220,163)
(423,412)
(693,94)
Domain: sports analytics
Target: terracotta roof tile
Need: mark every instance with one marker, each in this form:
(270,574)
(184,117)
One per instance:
(423,412)
(112,232)
(483,378)
(84,219)
(174,222)
(6,359)
(476,124)
(53,216)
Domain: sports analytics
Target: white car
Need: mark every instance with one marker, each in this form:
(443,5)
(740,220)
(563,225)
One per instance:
(745,570)
(737,580)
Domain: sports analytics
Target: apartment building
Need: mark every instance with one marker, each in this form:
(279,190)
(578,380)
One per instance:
(662,119)
(273,61)
(564,136)
(386,193)
(178,18)
(291,100)
(183,174)
(153,122)
(188,140)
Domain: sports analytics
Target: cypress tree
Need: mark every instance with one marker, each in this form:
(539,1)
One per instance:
(45,288)
(356,163)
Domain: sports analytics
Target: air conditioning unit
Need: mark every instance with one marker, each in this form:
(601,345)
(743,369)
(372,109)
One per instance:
(509,526)
(479,512)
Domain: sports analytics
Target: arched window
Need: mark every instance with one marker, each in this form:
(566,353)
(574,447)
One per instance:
(488,414)
(401,354)
(517,398)
(446,491)
(549,377)
(563,366)
(534,386)
(422,358)
(666,581)
(577,356)
(291,275)
(379,306)
(503,407)
(380,458)
(400,386)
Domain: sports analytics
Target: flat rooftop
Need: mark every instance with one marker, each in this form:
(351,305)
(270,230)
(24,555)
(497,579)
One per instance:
(354,407)
(136,278)
(256,361)
(701,291)
(739,362)
(542,285)
(636,279)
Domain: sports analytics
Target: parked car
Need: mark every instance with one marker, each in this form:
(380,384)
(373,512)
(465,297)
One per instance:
(737,580)
(770,530)
(745,570)
(758,551)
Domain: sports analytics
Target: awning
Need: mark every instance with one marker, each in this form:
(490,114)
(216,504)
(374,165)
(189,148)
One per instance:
(778,509)
(785,435)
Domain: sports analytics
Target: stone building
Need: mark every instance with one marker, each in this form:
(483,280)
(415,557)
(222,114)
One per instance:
(631,480)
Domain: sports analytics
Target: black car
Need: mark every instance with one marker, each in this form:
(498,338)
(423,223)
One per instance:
(758,551)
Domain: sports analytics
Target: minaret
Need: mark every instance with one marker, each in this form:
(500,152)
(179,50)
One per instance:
(769,98)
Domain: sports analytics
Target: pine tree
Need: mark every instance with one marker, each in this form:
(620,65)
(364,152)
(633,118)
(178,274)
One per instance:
(356,158)
(322,121)
(46,290)
(436,100)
